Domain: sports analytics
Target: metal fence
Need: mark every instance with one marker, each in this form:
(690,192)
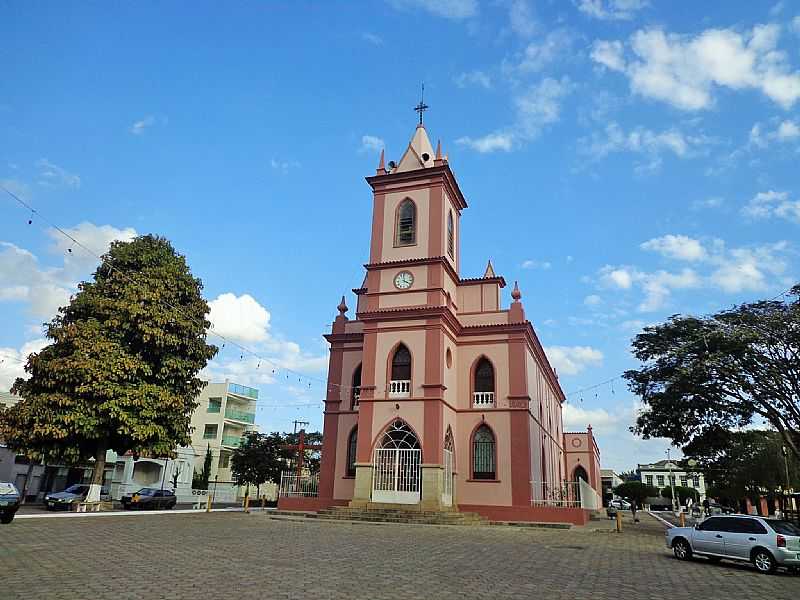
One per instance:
(293,485)
(565,495)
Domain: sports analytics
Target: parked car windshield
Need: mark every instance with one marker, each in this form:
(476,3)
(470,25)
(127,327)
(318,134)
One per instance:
(784,527)
(147,492)
(7,488)
(76,489)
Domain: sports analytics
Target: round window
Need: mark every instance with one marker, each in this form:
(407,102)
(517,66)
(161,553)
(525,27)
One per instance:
(448,358)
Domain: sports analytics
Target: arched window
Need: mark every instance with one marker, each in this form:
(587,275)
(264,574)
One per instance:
(352,444)
(355,390)
(400,384)
(406,233)
(483,384)
(450,234)
(483,454)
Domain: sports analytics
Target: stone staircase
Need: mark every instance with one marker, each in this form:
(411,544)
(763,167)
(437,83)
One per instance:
(400,515)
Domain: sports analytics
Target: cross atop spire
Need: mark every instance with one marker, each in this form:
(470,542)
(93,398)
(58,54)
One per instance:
(421,107)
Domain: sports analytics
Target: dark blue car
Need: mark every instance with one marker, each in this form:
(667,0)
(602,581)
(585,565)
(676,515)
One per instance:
(9,502)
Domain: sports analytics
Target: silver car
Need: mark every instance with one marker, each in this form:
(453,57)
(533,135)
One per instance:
(767,543)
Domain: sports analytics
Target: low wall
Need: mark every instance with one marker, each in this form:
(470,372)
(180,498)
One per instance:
(308,503)
(540,514)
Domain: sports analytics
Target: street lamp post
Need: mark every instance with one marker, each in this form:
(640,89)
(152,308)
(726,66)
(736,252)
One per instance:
(671,481)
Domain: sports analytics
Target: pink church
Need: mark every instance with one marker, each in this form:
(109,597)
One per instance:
(438,397)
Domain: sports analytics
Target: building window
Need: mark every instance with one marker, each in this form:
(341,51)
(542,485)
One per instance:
(450,235)
(210,432)
(400,384)
(483,385)
(684,480)
(224,460)
(483,454)
(672,479)
(648,479)
(214,405)
(355,391)
(352,444)
(696,480)
(406,233)
(660,480)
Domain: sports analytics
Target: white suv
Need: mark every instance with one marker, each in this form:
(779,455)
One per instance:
(767,543)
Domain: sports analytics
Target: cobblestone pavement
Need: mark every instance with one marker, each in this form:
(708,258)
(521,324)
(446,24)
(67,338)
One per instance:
(236,555)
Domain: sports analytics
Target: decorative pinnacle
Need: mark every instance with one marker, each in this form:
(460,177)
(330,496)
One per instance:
(438,149)
(515,293)
(342,307)
(381,165)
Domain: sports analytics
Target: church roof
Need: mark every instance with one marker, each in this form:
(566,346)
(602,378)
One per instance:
(419,153)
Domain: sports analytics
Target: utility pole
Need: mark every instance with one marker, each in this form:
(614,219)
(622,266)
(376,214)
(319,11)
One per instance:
(671,480)
(785,453)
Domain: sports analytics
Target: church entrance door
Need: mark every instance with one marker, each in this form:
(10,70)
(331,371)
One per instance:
(396,474)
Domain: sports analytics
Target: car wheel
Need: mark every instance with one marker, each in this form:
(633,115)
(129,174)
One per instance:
(681,549)
(6,518)
(763,561)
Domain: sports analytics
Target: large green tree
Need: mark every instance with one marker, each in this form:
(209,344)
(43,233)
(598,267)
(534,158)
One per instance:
(258,459)
(121,370)
(725,371)
(636,490)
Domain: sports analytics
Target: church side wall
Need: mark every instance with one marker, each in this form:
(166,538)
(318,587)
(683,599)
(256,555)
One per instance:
(342,484)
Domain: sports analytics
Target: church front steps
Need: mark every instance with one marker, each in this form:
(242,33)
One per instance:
(396,515)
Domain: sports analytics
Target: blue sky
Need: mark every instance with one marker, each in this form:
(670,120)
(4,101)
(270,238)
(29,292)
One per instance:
(623,159)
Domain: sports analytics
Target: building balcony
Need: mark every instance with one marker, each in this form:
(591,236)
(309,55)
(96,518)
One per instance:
(483,399)
(400,388)
(240,415)
(243,391)
(232,441)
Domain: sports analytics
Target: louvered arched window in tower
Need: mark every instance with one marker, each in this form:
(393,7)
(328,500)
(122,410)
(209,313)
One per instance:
(406,227)
(400,383)
(451,242)
(355,390)
(352,444)
(483,384)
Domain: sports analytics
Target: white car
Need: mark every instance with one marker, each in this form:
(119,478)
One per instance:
(620,504)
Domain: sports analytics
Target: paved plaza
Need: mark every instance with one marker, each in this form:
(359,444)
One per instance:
(236,555)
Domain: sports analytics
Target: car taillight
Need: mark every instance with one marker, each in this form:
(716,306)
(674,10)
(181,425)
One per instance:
(781,541)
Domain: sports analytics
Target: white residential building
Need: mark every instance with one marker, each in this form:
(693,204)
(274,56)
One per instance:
(658,475)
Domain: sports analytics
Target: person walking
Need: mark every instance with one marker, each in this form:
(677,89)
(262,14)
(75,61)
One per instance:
(633,510)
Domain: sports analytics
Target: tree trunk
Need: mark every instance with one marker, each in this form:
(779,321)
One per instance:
(97,475)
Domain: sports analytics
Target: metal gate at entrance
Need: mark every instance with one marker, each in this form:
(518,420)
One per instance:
(447,483)
(396,467)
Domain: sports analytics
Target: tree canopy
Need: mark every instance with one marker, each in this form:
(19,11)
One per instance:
(636,490)
(259,458)
(722,372)
(683,493)
(120,372)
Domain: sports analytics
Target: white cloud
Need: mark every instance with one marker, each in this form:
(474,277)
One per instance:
(521,18)
(786,131)
(284,166)
(16,187)
(535,107)
(644,141)
(592,300)
(748,269)
(571,360)
(449,9)
(712,202)
(656,286)
(536,264)
(577,418)
(139,127)
(491,142)
(22,279)
(611,10)
(476,78)
(539,54)
(240,318)
(51,175)
(795,26)
(372,38)
(680,247)
(773,204)
(12,362)
(685,71)
(371,143)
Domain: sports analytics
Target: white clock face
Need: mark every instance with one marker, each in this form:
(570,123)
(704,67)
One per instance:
(403,280)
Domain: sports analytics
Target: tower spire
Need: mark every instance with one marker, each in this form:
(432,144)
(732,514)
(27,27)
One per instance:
(381,166)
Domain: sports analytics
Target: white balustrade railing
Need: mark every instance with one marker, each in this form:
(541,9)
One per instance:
(565,495)
(482,399)
(293,485)
(400,388)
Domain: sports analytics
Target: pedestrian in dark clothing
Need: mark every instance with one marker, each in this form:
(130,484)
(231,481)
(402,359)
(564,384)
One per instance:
(633,511)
